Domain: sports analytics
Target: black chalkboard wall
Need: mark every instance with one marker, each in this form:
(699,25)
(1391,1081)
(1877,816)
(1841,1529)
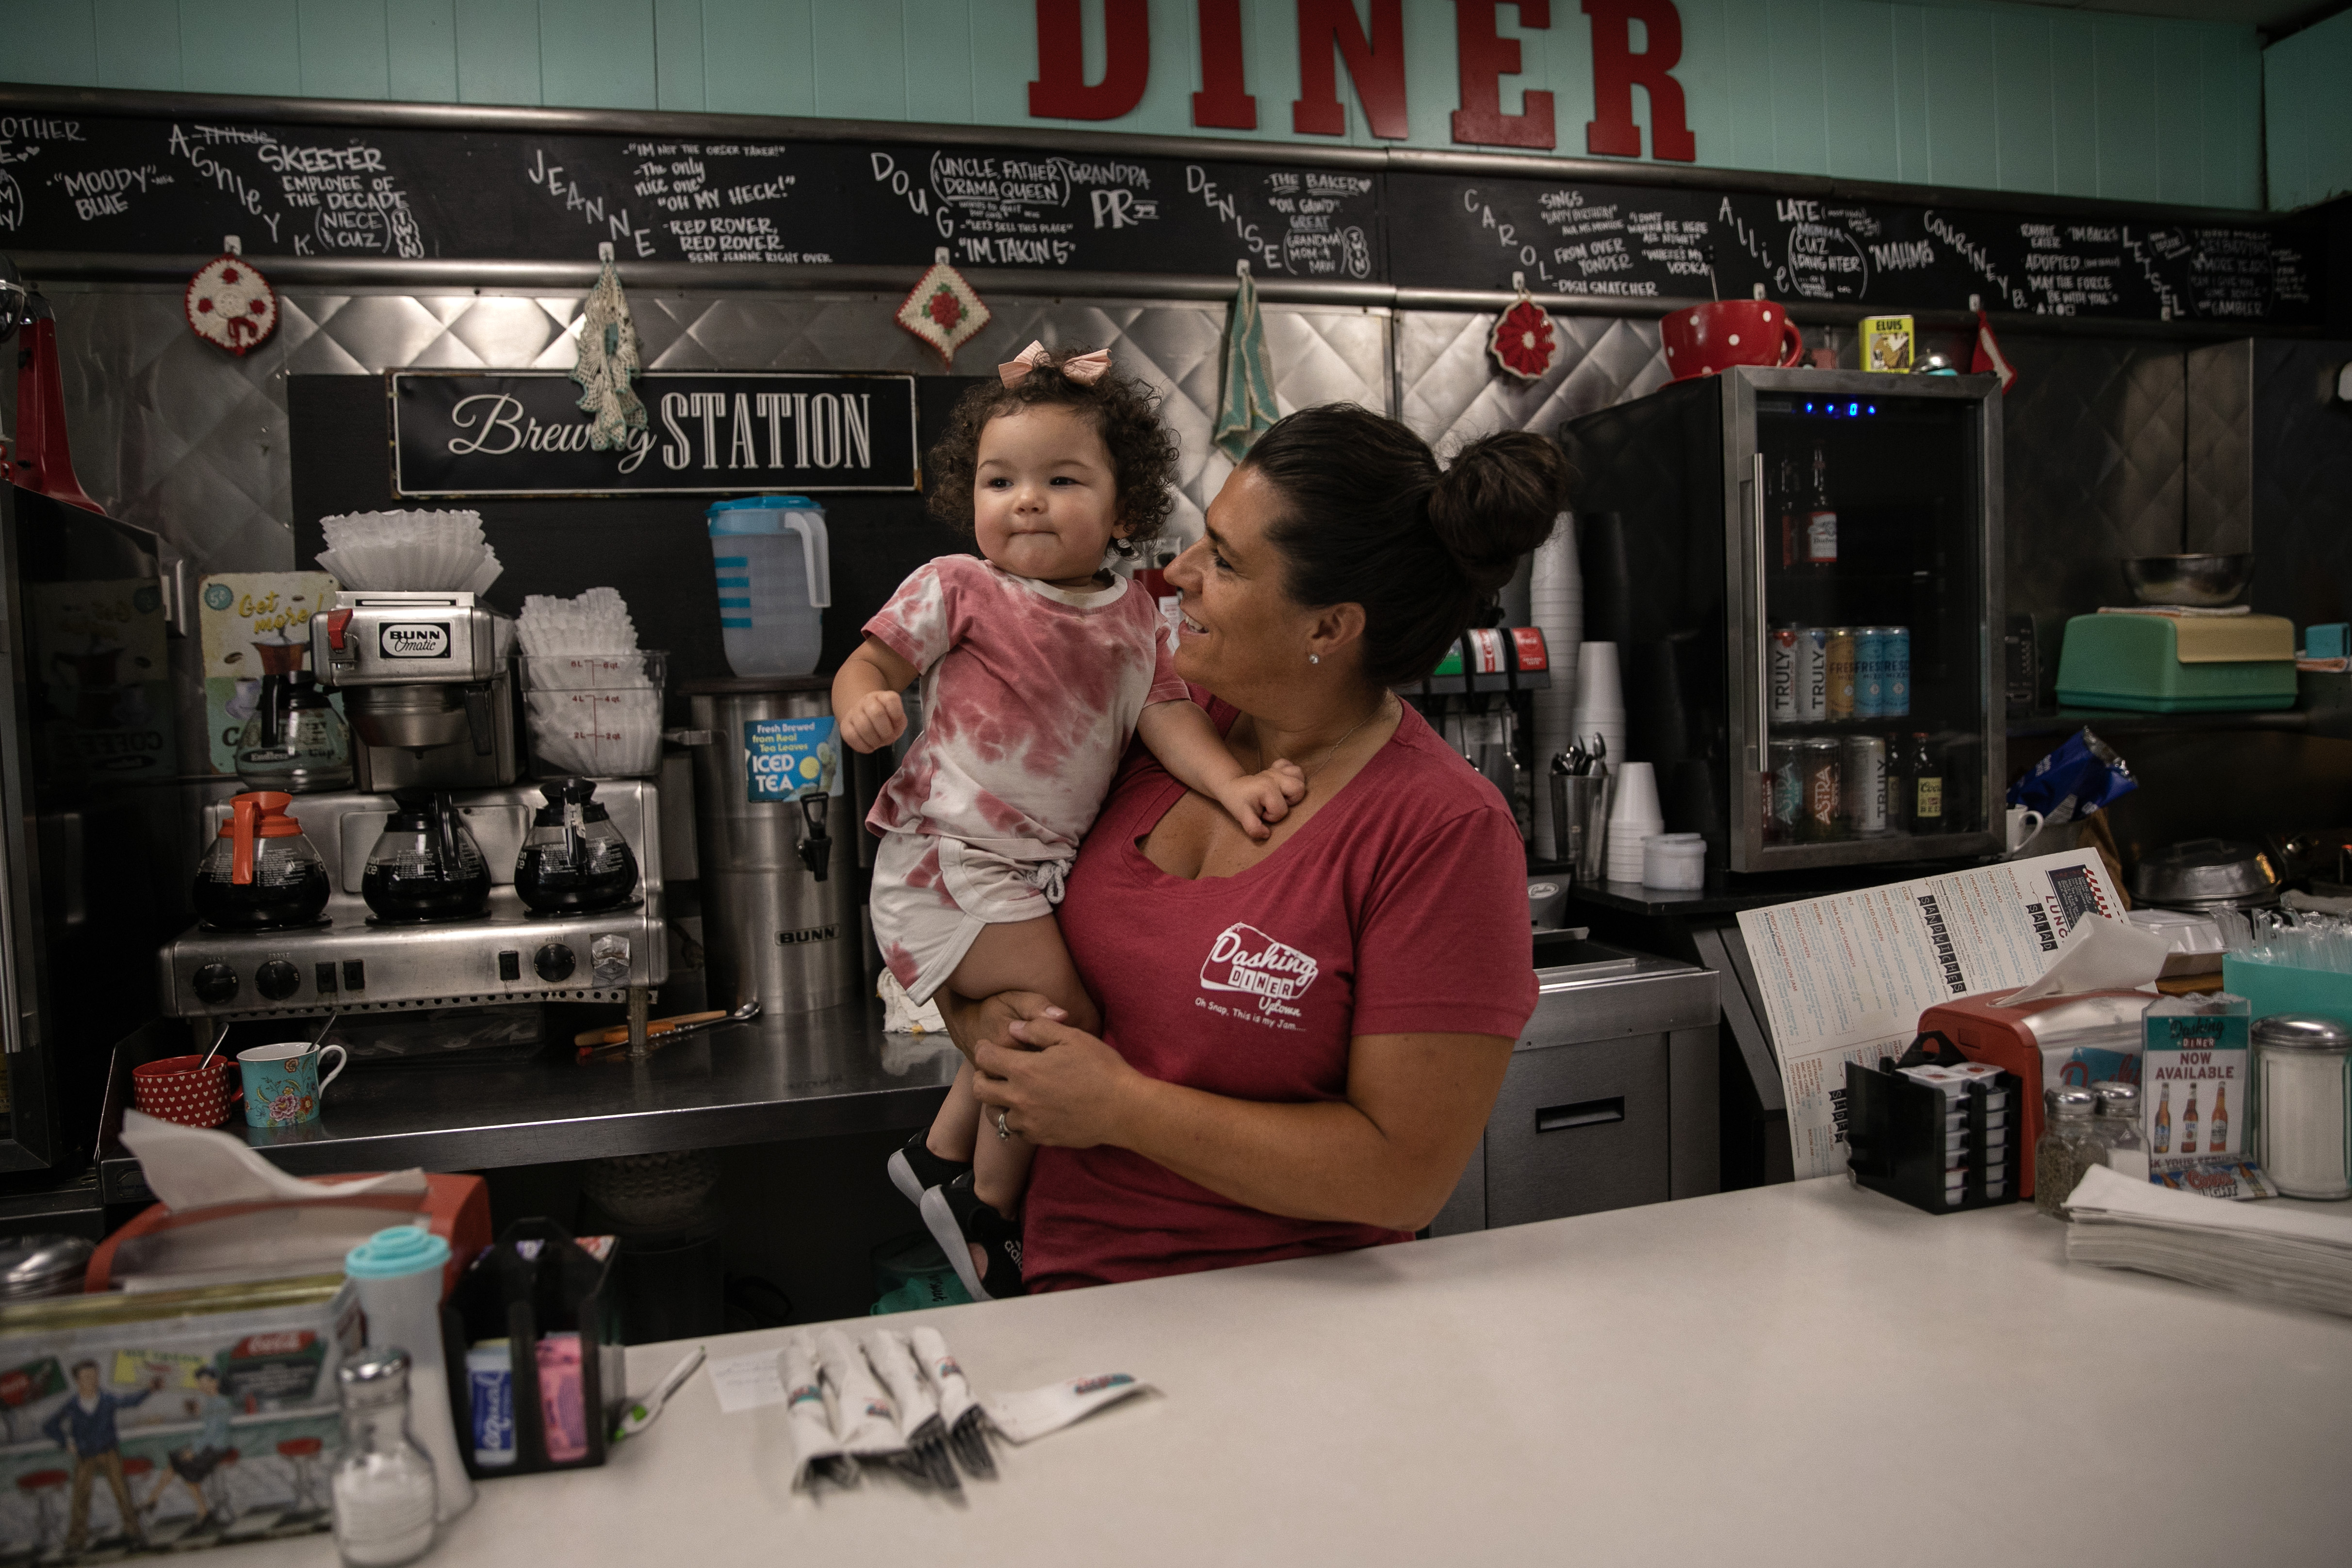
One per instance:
(655,550)
(160,186)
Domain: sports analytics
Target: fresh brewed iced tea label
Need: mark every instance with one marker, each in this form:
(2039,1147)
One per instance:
(790,759)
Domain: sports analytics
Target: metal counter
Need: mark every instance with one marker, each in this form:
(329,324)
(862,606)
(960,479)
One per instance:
(806,1076)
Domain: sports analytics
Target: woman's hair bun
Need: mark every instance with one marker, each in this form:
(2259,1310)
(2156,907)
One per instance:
(1497,501)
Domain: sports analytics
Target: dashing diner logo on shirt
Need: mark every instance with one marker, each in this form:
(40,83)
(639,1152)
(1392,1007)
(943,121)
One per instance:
(1246,959)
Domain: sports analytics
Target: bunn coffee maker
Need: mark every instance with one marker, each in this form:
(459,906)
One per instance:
(427,680)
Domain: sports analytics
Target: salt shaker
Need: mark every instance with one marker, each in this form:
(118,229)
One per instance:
(2119,1129)
(383,1486)
(2066,1149)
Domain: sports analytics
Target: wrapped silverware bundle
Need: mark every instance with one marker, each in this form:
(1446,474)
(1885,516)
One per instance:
(901,1403)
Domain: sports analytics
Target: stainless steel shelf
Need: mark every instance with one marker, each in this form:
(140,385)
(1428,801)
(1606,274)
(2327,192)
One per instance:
(2127,721)
(807,1076)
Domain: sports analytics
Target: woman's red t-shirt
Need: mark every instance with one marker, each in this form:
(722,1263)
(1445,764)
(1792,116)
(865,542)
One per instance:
(1400,907)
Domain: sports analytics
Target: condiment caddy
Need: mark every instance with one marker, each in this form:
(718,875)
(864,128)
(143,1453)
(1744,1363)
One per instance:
(1934,1130)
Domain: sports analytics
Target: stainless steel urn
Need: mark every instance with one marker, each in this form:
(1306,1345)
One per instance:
(772,926)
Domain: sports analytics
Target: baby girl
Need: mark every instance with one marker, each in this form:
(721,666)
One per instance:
(1038,667)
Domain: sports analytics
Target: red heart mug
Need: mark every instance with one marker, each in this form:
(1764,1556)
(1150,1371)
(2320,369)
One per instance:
(1706,339)
(184,1090)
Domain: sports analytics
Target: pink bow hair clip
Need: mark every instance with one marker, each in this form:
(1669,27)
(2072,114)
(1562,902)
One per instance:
(1084,369)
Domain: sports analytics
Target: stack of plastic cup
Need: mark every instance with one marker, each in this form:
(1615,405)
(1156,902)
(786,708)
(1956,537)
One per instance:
(1600,698)
(1634,815)
(1556,607)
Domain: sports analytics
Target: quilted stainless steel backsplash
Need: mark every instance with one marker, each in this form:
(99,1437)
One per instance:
(170,433)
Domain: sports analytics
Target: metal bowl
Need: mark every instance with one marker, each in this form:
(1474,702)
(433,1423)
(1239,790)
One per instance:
(2206,874)
(2206,582)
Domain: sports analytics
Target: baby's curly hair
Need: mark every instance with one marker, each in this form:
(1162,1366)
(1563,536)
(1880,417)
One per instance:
(1143,451)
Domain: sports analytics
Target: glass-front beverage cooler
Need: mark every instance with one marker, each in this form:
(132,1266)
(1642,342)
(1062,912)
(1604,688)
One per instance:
(1803,570)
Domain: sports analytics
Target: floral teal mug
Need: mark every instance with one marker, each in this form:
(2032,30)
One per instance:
(282,1084)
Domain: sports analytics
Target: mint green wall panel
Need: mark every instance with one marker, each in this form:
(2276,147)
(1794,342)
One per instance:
(1963,98)
(2022,79)
(498,51)
(677,55)
(2074,105)
(1858,90)
(2309,112)
(1911,93)
(757,59)
(51,41)
(244,45)
(860,60)
(2124,49)
(1800,124)
(2233,153)
(2180,114)
(138,44)
(346,50)
(938,60)
(1004,64)
(1432,79)
(1746,86)
(1704,59)
(597,54)
(421,51)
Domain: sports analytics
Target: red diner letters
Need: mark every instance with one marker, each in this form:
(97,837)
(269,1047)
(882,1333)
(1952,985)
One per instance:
(1224,98)
(1484,60)
(1376,66)
(1616,69)
(1061,90)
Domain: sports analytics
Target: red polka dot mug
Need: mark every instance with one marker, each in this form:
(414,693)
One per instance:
(181,1089)
(1708,339)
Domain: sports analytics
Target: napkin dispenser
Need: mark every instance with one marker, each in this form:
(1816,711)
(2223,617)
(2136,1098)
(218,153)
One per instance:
(2151,662)
(2087,1038)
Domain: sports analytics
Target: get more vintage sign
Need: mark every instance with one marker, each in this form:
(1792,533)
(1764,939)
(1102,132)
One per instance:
(524,434)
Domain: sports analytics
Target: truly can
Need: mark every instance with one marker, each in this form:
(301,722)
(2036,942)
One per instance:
(1819,800)
(1894,671)
(1812,673)
(1838,662)
(1869,671)
(1780,671)
(489,1385)
(1783,788)
(1863,778)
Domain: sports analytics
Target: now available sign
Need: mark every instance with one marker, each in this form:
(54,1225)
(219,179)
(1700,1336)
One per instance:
(719,433)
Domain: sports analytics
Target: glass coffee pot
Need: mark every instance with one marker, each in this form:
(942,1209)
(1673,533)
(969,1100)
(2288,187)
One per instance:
(574,861)
(425,865)
(261,873)
(295,742)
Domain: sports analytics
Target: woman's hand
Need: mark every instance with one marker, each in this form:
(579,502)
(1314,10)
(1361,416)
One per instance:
(971,1024)
(1056,1086)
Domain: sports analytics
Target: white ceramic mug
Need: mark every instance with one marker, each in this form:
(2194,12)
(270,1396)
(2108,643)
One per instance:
(2023,824)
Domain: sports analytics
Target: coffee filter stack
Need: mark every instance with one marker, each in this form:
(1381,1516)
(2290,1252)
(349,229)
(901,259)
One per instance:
(417,552)
(591,697)
(1556,608)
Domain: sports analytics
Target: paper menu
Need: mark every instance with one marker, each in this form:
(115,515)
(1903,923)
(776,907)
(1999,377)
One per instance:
(1845,977)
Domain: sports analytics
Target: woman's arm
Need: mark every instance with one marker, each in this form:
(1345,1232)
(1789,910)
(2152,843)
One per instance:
(1389,1154)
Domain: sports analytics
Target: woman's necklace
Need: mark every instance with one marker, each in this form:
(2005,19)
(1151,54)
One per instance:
(1257,749)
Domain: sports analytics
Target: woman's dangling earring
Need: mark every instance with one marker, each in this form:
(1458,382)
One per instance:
(1314,659)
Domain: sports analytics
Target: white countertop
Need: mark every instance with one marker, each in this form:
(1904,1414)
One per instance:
(1807,1374)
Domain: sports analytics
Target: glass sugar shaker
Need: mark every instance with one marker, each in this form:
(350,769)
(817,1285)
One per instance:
(2067,1147)
(383,1486)
(2117,1125)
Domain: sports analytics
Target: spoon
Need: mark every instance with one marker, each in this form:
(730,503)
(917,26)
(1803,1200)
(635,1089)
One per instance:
(218,1040)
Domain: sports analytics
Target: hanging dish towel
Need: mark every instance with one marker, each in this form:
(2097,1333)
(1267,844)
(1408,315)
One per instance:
(608,363)
(1245,404)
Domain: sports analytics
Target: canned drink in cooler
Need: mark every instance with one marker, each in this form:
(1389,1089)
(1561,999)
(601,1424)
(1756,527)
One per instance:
(1869,671)
(1863,775)
(1839,661)
(1780,670)
(1812,672)
(1783,788)
(1894,666)
(1820,801)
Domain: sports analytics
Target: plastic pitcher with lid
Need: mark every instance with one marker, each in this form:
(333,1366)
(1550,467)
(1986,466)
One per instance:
(772,588)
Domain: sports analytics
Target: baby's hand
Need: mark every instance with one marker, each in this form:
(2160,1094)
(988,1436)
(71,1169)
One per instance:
(874,721)
(1258,800)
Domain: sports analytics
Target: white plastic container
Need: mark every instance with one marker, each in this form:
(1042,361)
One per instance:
(772,586)
(399,1274)
(1673,861)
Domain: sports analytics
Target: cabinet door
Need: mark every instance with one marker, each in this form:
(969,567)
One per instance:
(1578,1129)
